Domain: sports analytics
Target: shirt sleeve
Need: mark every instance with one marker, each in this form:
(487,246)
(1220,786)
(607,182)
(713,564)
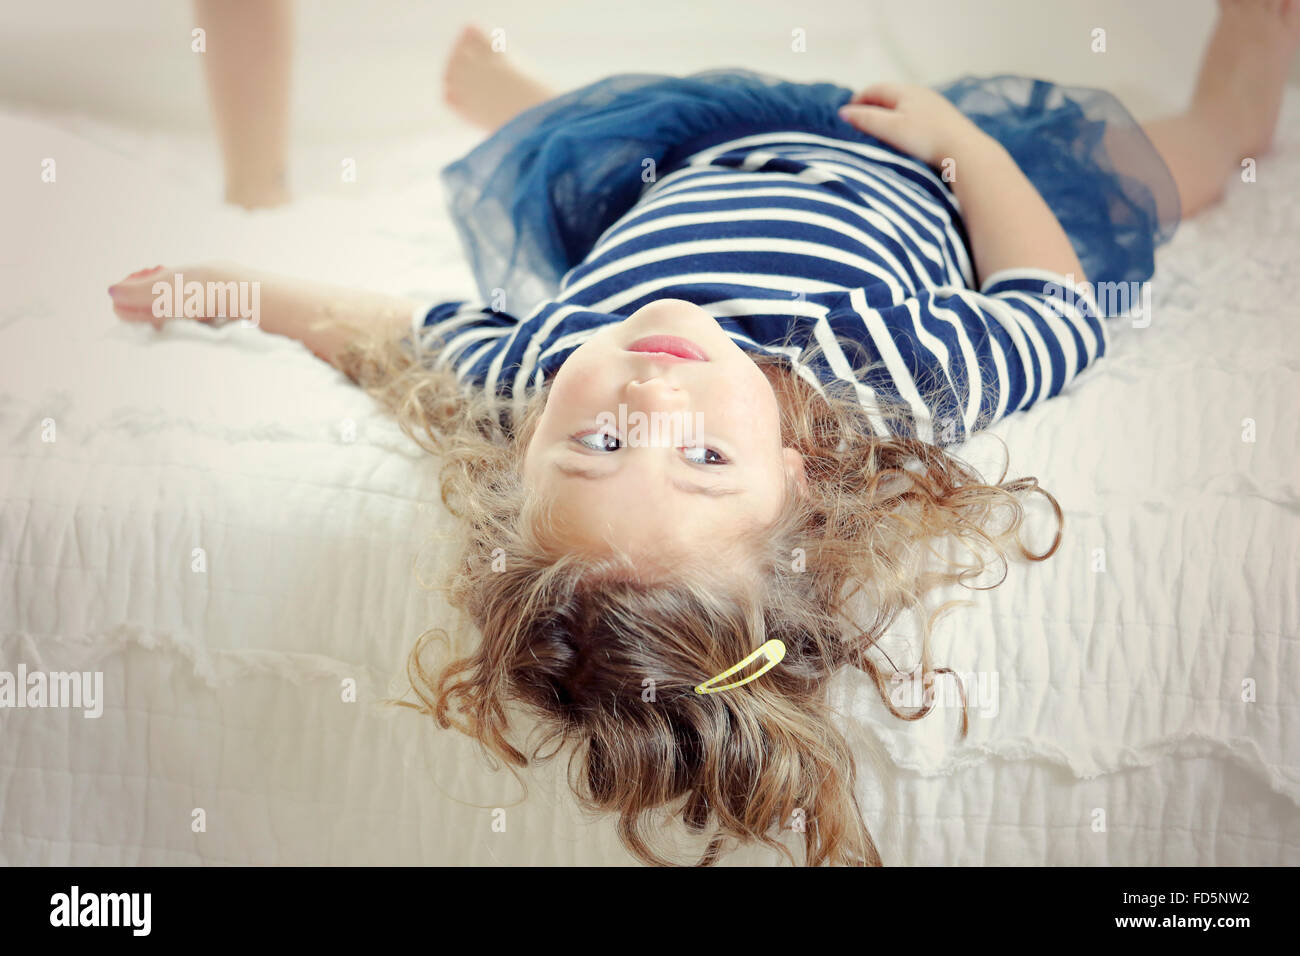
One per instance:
(950,361)
(460,334)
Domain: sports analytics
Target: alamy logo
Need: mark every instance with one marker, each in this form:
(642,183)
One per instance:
(84,689)
(102,909)
(980,691)
(655,430)
(211,300)
(1124,300)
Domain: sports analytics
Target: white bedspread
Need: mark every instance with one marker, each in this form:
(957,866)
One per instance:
(1145,708)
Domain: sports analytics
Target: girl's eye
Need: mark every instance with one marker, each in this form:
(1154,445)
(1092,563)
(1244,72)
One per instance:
(704,459)
(599,441)
(695,454)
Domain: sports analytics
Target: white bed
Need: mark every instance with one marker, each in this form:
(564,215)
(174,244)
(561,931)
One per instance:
(1119,691)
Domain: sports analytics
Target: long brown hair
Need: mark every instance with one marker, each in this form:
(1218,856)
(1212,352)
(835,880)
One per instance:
(604,661)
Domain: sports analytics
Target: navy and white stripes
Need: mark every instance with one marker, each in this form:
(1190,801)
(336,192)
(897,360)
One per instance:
(800,238)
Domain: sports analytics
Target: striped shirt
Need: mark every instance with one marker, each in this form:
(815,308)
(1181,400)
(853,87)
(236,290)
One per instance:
(795,239)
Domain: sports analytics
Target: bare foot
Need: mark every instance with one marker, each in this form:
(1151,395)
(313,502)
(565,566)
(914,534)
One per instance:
(257,195)
(1243,76)
(483,86)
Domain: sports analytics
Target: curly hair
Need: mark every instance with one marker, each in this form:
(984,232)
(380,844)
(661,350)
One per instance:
(604,661)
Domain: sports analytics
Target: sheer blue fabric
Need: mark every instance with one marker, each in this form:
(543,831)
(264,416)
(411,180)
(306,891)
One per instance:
(533,198)
(1090,160)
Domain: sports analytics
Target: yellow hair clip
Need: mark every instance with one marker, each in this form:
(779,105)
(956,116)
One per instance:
(773,650)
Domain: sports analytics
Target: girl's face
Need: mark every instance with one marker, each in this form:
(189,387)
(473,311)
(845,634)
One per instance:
(659,454)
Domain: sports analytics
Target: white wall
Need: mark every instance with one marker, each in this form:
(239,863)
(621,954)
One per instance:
(372,68)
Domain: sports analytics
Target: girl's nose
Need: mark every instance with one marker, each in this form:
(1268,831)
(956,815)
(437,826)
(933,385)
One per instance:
(655,384)
(655,392)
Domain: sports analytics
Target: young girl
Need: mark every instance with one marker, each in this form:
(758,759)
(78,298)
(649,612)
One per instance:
(819,292)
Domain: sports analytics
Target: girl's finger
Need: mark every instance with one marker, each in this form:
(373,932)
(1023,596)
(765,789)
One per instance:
(879,94)
(132,302)
(144,272)
(129,313)
(875,121)
(133,296)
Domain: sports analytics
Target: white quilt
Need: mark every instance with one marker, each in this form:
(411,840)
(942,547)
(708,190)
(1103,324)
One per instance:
(1145,707)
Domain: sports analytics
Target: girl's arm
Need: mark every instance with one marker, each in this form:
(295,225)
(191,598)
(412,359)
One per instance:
(958,360)
(1009,224)
(323,317)
(961,359)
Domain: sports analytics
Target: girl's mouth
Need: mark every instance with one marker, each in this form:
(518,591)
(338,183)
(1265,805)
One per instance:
(673,345)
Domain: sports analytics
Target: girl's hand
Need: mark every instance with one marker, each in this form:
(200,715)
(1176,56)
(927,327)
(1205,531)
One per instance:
(135,299)
(1009,224)
(325,318)
(914,119)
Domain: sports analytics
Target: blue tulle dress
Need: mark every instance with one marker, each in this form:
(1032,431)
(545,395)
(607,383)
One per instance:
(531,201)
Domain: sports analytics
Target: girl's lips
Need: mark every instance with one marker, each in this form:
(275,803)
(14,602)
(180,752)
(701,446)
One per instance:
(673,345)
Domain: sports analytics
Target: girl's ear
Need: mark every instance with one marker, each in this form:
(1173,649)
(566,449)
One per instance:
(794,469)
